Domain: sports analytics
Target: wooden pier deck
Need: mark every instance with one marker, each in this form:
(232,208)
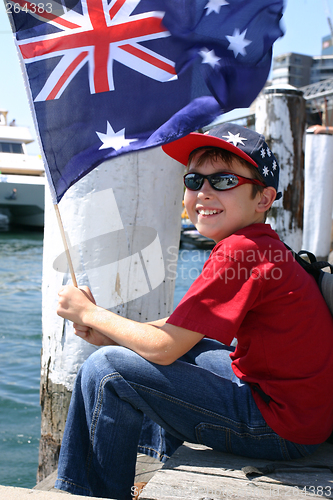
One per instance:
(196,472)
(199,473)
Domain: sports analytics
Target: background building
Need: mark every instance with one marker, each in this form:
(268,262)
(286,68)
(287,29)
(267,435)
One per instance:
(293,69)
(300,70)
(327,46)
(321,68)
(314,75)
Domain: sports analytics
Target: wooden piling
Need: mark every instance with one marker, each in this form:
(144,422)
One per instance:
(318,194)
(280,117)
(122,223)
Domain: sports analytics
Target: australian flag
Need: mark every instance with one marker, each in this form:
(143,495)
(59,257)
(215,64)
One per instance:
(107,77)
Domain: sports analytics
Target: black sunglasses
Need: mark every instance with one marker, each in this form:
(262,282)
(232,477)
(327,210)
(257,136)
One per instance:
(219,181)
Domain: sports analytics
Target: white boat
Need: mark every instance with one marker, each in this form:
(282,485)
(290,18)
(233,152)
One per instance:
(22,177)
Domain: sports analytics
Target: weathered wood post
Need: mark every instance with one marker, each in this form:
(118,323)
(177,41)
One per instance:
(318,194)
(123,225)
(280,117)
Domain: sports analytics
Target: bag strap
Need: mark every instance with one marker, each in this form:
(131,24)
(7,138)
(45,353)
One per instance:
(313,267)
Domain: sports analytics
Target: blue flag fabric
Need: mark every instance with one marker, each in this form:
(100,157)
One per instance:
(109,77)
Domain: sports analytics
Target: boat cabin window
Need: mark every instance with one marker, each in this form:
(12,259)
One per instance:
(11,147)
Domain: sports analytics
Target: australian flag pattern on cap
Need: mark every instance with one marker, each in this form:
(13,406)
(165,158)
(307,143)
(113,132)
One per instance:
(254,145)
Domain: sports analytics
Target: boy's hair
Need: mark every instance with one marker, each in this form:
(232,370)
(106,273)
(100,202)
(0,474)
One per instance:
(227,157)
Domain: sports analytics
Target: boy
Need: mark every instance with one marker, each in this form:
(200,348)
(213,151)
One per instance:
(157,384)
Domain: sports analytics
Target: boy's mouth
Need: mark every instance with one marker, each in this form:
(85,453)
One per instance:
(202,211)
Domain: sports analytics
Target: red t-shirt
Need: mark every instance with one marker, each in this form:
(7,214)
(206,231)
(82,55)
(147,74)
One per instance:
(252,289)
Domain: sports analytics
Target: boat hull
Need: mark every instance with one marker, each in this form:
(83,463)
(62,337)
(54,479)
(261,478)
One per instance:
(22,198)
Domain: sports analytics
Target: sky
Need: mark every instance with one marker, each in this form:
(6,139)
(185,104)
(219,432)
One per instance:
(304,22)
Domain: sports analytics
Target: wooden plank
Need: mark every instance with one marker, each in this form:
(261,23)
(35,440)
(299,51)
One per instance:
(180,485)
(13,493)
(195,472)
(146,468)
(48,483)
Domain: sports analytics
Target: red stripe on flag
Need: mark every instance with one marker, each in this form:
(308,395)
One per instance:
(101,80)
(62,22)
(104,35)
(149,58)
(101,49)
(66,75)
(116,8)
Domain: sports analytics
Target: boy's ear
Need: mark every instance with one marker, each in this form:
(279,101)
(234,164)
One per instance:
(266,199)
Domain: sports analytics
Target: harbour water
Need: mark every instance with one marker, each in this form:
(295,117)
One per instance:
(20,345)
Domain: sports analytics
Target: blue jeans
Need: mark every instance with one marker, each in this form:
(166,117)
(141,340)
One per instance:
(122,404)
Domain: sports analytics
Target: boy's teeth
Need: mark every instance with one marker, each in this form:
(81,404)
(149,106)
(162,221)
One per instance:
(207,212)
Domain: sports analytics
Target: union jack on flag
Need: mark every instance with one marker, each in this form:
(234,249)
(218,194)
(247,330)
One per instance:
(102,34)
(107,77)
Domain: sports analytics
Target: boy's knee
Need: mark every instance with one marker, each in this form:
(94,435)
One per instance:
(116,355)
(107,360)
(102,356)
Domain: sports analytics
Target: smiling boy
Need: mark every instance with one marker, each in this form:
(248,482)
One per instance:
(218,214)
(154,385)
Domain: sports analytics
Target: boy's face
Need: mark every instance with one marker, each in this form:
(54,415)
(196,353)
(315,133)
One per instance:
(233,209)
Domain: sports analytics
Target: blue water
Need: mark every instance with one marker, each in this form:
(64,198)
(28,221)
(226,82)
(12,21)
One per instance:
(20,347)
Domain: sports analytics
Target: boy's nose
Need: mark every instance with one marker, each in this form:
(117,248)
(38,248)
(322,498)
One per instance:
(206,189)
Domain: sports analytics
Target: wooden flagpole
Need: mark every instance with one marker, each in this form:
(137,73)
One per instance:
(63,235)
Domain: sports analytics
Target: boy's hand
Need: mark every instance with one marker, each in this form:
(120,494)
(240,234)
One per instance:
(92,336)
(73,304)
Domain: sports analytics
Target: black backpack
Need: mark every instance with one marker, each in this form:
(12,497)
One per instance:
(315,268)
(324,280)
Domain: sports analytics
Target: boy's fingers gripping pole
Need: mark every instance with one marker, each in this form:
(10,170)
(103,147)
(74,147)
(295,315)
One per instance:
(68,256)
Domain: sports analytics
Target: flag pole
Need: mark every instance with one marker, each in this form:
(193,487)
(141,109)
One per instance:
(34,117)
(63,235)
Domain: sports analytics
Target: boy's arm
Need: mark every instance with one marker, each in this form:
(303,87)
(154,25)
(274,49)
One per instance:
(158,322)
(159,342)
(97,338)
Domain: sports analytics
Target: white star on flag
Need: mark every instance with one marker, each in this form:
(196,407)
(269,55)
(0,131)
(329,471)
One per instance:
(265,171)
(215,5)
(269,152)
(209,57)
(238,42)
(114,140)
(235,138)
(274,165)
(263,153)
